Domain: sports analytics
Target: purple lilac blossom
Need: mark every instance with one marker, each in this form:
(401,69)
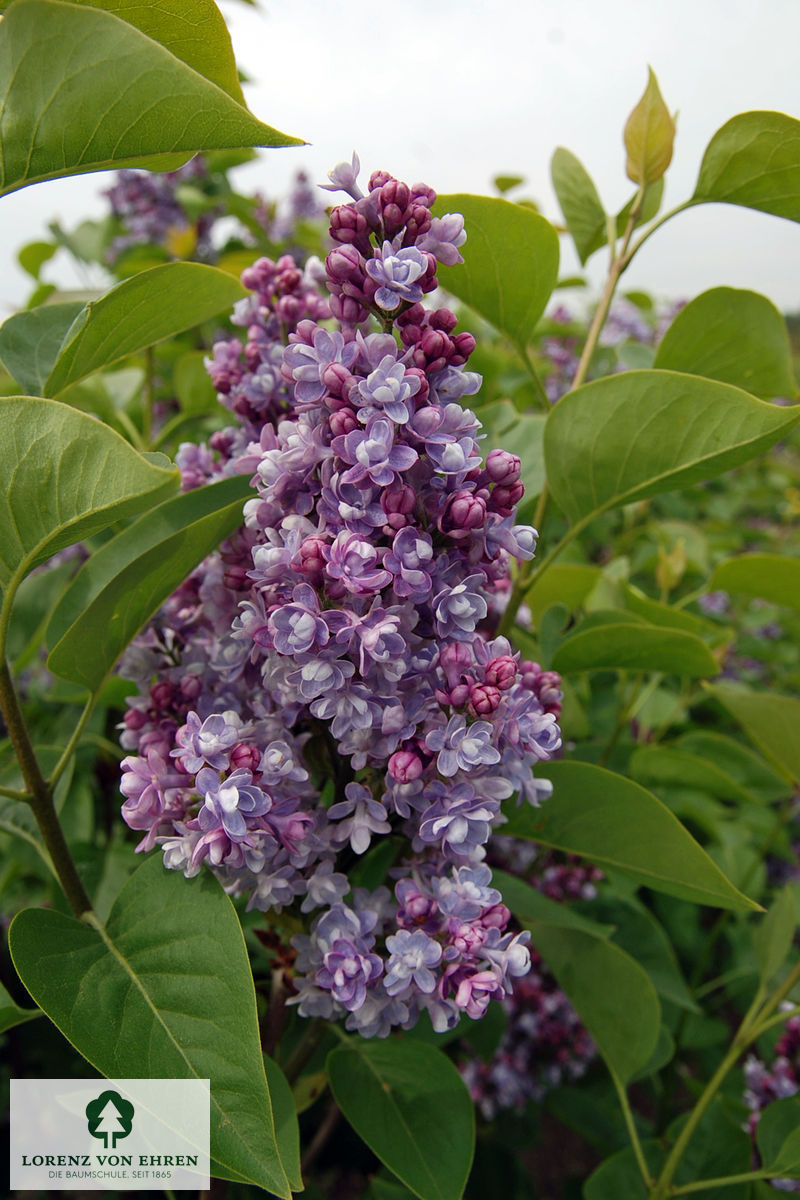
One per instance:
(332,677)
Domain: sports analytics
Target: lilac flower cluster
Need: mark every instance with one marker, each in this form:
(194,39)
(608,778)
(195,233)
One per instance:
(764,1085)
(333,676)
(543,1046)
(149,209)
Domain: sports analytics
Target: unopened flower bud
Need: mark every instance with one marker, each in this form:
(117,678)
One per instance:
(484,699)
(405,766)
(245,756)
(502,467)
(501,672)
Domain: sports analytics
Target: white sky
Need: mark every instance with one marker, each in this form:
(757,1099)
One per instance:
(454,91)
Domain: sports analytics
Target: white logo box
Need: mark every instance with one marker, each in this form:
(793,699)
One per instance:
(109,1134)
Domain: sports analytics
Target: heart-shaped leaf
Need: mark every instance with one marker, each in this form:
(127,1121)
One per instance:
(634,435)
(628,646)
(164,989)
(733,336)
(754,161)
(30,342)
(84,90)
(510,263)
(410,1105)
(616,823)
(139,312)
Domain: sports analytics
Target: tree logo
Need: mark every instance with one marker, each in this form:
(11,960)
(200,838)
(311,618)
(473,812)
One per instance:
(109,1117)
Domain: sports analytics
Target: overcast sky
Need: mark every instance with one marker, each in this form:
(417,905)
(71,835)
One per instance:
(454,91)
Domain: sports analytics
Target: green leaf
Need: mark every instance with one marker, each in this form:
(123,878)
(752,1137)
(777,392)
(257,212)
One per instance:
(738,761)
(649,136)
(664,614)
(528,906)
(125,582)
(34,255)
(773,938)
(66,476)
(11,1014)
(85,91)
(151,306)
(510,263)
(769,720)
(165,989)
(662,766)
(563,583)
(30,342)
(287,1132)
(630,436)
(778,1137)
(615,823)
(620,1176)
(578,960)
(754,161)
(579,200)
(772,577)
(638,932)
(193,30)
(409,1104)
(627,646)
(735,337)
(193,385)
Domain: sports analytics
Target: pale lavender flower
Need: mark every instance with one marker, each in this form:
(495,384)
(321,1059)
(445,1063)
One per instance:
(396,272)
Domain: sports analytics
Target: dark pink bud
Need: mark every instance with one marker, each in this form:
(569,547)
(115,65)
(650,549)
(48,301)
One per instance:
(505,496)
(378,178)
(464,511)
(464,344)
(496,917)
(405,766)
(459,695)
(221,442)
(423,194)
(162,693)
(502,467)
(348,225)
(312,561)
(400,499)
(501,672)
(347,310)
(191,687)
(245,756)
(343,421)
(135,719)
(345,264)
(484,699)
(444,319)
(337,378)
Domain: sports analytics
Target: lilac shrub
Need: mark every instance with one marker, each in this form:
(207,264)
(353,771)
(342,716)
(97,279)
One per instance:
(333,677)
(778,1081)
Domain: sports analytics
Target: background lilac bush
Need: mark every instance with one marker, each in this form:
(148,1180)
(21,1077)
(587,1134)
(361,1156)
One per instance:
(454,813)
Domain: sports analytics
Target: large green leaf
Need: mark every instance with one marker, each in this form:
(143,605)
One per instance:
(616,823)
(409,1104)
(628,646)
(65,476)
(510,263)
(634,435)
(772,577)
(579,200)
(164,990)
(287,1132)
(770,720)
(622,1014)
(83,90)
(528,905)
(149,307)
(668,766)
(120,587)
(30,342)
(754,161)
(193,30)
(563,583)
(733,336)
